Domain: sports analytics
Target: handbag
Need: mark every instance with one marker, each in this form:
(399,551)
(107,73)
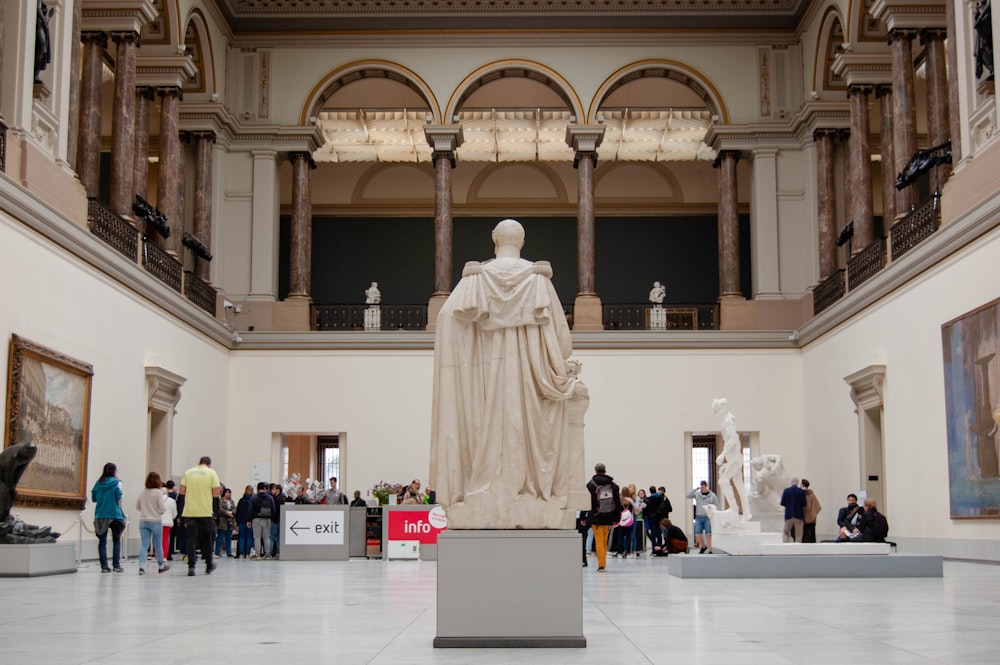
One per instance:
(626,518)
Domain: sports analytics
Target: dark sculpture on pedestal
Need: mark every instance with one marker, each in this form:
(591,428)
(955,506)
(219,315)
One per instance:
(13,461)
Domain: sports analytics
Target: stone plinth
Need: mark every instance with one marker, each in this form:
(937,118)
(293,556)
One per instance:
(373,319)
(657,318)
(819,566)
(508,589)
(37,560)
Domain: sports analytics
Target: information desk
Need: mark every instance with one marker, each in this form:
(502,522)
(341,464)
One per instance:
(315,533)
(411,530)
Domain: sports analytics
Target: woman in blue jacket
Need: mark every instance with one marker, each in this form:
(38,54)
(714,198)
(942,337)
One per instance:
(108,515)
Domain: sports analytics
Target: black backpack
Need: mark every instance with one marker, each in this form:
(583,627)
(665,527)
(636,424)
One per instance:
(881,528)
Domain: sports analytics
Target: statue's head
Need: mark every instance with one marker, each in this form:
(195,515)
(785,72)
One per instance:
(508,233)
(719,404)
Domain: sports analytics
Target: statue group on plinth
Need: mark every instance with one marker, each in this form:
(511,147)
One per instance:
(373,315)
(657,315)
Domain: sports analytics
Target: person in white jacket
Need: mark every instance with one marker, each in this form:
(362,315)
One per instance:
(168,520)
(151,505)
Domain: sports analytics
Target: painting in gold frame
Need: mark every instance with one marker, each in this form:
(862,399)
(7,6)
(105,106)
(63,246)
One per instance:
(48,403)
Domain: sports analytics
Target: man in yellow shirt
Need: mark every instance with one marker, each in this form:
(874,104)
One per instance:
(201,490)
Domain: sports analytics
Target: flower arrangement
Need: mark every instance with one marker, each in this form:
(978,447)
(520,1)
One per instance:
(382,490)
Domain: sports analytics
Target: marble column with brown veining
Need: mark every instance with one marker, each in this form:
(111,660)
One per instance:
(140,171)
(88,148)
(170,179)
(203,142)
(938,116)
(952,66)
(860,169)
(123,123)
(826,201)
(444,163)
(729,224)
(72,131)
(300,261)
(904,119)
(884,94)
(586,262)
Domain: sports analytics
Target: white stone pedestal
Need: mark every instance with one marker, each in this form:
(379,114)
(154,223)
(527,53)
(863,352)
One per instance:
(504,589)
(657,318)
(373,319)
(36,560)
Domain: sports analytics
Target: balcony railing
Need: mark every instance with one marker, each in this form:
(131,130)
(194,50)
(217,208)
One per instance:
(112,229)
(352,317)
(636,317)
(198,292)
(906,234)
(916,227)
(161,265)
(3,147)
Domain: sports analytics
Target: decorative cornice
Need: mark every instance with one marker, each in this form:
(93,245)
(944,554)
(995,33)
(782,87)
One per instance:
(117,15)
(910,14)
(163,71)
(232,134)
(796,133)
(859,68)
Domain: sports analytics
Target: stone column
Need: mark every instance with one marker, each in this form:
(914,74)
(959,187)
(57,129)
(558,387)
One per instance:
(300,261)
(445,140)
(170,180)
(954,121)
(884,94)
(140,172)
(587,312)
(729,225)
(904,122)
(826,198)
(938,117)
(123,123)
(73,128)
(860,169)
(88,149)
(203,146)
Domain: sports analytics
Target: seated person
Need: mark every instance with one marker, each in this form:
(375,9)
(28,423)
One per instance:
(873,527)
(848,517)
(674,540)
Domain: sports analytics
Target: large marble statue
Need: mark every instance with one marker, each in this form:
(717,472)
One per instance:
(13,461)
(731,462)
(508,404)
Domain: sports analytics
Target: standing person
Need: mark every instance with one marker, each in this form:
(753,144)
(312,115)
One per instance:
(794,501)
(201,490)
(702,524)
(334,496)
(652,508)
(178,535)
(152,505)
(261,509)
(358,502)
(626,524)
(279,500)
(605,509)
(640,522)
(244,542)
(810,514)
(168,519)
(224,523)
(584,530)
(108,516)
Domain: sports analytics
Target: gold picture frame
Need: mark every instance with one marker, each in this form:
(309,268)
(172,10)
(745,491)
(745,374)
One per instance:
(48,402)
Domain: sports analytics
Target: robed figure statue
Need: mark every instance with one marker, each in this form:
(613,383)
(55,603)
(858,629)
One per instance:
(507,425)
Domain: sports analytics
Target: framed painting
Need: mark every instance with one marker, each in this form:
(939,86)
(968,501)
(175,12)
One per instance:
(971,345)
(48,403)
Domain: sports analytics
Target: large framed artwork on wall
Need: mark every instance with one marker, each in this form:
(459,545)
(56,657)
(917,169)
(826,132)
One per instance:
(971,345)
(48,403)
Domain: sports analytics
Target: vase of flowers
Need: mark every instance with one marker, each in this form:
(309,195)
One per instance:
(382,490)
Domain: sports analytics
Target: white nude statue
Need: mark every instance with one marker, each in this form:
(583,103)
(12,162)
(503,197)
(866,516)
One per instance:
(657,294)
(731,463)
(508,404)
(372,295)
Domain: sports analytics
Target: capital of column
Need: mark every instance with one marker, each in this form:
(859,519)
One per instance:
(897,34)
(172,91)
(933,34)
(883,89)
(146,92)
(96,36)
(584,154)
(126,36)
(860,89)
(584,138)
(443,154)
(444,138)
(830,133)
(298,155)
(726,154)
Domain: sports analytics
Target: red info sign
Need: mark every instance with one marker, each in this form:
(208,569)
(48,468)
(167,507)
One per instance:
(420,525)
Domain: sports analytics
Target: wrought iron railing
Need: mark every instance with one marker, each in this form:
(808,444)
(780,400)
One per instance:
(829,291)
(3,147)
(352,317)
(161,265)
(916,227)
(866,264)
(198,292)
(112,229)
(637,317)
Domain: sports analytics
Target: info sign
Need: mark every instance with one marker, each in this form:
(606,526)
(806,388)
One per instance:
(420,525)
(314,527)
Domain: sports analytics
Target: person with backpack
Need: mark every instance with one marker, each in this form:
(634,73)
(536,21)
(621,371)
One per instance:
(261,510)
(605,510)
(873,527)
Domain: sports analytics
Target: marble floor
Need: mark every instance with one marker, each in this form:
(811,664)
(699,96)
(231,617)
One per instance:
(364,611)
